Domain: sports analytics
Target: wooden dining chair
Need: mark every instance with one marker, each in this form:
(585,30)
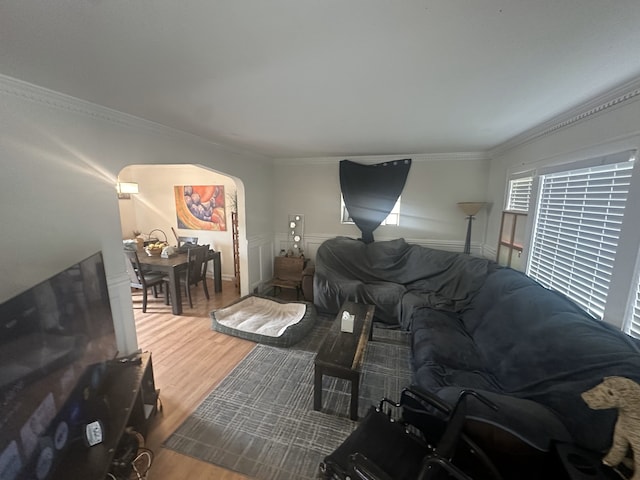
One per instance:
(143,280)
(187,240)
(196,272)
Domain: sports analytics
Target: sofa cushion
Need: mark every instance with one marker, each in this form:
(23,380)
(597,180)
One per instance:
(384,295)
(445,360)
(440,338)
(528,421)
(540,346)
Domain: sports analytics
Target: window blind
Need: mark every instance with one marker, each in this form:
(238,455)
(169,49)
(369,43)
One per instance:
(578,222)
(634,327)
(519,194)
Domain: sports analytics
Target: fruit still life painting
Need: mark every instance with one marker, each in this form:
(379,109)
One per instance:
(201,207)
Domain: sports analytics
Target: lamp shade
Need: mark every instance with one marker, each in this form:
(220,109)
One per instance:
(471,208)
(127,187)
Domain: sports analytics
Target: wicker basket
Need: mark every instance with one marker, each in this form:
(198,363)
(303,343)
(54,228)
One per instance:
(153,252)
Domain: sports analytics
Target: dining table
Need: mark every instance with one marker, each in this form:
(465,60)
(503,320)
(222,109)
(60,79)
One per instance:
(174,266)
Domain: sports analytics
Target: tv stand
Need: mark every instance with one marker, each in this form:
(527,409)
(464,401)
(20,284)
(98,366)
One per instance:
(127,401)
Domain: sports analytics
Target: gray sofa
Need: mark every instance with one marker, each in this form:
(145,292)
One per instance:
(476,325)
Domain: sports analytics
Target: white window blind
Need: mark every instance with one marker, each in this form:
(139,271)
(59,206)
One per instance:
(519,194)
(634,326)
(576,231)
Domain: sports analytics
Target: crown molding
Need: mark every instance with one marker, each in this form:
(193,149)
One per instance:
(622,95)
(61,101)
(619,96)
(373,159)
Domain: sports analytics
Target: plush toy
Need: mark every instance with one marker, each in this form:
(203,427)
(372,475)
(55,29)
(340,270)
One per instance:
(623,394)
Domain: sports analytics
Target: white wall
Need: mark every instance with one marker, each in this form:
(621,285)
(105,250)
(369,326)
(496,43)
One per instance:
(154,206)
(604,132)
(60,158)
(429,214)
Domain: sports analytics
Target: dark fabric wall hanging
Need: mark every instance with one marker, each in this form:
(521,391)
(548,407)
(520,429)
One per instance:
(371,191)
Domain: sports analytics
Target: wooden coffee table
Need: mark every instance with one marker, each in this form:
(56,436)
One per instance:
(341,353)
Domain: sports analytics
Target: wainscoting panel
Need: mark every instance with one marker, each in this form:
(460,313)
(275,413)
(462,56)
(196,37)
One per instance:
(261,250)
(264,251)
(313,241)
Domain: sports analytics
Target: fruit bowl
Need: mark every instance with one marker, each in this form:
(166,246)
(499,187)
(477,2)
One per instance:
(154,249)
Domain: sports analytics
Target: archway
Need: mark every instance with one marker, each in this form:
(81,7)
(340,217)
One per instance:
(153,209)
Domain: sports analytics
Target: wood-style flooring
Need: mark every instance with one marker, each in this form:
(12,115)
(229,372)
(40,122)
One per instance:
(189,360)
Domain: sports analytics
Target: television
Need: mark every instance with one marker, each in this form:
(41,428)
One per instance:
(56,341)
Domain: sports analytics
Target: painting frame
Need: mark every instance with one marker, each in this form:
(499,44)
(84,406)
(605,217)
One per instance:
(201,207)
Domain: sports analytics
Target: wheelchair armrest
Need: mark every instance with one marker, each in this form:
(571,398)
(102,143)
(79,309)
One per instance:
(482,398)
(365,469)
(446,465)
(427,397)
(440,404)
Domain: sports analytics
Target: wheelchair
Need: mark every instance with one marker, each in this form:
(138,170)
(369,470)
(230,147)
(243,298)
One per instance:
(420,437)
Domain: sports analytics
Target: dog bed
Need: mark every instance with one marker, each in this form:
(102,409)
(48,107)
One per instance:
(265,320)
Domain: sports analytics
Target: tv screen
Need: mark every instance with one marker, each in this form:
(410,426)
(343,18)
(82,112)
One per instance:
(53,337)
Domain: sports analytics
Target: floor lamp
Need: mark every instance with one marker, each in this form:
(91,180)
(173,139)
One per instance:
(470,209)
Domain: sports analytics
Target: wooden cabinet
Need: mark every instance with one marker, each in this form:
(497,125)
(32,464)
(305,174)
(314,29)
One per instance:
(512,238)
(124,402)
(146,402)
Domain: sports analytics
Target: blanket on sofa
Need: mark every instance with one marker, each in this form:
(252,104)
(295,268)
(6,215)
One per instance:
(477,325)
(530,350)
(381,273)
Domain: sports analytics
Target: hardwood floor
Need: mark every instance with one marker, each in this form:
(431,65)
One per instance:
(189,360)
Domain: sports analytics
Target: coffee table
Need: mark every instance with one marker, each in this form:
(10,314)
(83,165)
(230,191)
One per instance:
(341,353)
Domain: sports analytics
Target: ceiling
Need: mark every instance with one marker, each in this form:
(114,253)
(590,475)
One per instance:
(303,78)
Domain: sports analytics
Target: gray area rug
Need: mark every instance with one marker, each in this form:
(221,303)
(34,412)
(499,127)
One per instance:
(260,421)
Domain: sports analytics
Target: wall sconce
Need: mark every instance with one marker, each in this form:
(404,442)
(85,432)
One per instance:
(296,229)
(125,189)
(470,209)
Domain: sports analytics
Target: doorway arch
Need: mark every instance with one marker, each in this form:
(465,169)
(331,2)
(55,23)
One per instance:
(154,208)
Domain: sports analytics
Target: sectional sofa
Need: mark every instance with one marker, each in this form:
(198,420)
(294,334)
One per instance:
(477,325)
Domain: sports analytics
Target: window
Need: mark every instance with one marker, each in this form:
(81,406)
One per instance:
(632,313)
(392,219)
(634,324)
(519,194)
(576,229)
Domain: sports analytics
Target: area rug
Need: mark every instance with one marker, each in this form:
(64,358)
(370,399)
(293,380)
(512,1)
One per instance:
(260,421)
